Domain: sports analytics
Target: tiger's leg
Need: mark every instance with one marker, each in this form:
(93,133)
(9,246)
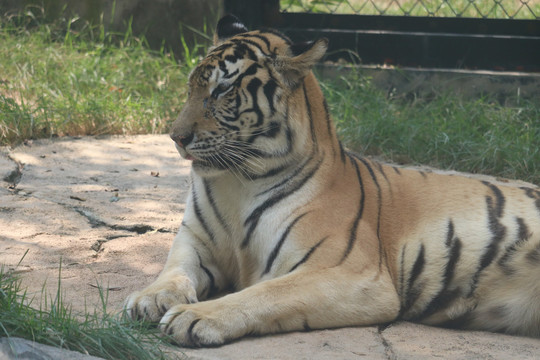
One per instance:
(188,275)
(298,301)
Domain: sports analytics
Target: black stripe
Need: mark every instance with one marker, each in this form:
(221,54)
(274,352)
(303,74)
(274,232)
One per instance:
(228,76)
(533,256)
(500,200)
(277,248)
(356,221)
(298,170)
(212,286)
(229,126)
(253,219)
(199,215)
(168,328)
(381,170)
(193,339)
(212,202)
(310,115)
(253,88)
(246,41)
(445,296)
(342,153)
(328,120)
(278,34)
(308,254)
(379,204)
(269,90)
(460,322)
(256,152)
(251,70)
(261,37)
(329,127)
(223,67)
(533,194)
(402,273)
(413,292)
(241,49)
(396,170)
(523,233)
(523,236)
(498,231)
(230,58)
(269,173)
(450,234)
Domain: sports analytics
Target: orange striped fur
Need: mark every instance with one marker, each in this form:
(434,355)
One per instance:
(308,235)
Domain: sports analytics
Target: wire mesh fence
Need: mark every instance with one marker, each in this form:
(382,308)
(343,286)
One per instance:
(499,9)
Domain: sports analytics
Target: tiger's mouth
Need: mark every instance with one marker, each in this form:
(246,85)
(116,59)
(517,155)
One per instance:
(184,153)
(216,160)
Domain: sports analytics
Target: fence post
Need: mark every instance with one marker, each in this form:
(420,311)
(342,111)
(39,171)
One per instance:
(254,13)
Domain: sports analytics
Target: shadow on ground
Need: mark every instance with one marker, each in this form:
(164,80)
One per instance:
(108,209)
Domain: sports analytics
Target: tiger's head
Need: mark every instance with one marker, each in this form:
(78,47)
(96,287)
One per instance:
(238,114)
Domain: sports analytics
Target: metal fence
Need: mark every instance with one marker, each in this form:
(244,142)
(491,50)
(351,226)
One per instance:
(494,9)
(500,35)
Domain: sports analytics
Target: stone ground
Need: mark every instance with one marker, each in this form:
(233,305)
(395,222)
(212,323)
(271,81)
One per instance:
(108,208)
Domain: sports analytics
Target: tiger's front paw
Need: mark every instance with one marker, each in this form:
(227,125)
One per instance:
(153,302)
(202,324)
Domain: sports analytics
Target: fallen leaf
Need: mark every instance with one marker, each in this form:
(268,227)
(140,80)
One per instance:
(76,198)
(116,288)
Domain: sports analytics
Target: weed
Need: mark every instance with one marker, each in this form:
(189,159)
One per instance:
(53,323)
(71,78)
(447,131)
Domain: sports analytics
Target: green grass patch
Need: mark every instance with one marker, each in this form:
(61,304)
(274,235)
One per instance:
(51,322)
(71,78)
(446,131)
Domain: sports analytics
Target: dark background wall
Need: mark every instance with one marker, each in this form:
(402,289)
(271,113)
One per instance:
(159,20)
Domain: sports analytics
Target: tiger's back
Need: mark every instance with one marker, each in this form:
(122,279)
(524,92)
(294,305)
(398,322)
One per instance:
(309,235)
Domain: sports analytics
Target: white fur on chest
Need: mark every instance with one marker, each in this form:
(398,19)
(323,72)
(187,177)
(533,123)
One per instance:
(245,224)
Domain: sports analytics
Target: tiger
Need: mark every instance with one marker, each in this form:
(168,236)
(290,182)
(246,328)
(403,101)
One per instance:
(286,230)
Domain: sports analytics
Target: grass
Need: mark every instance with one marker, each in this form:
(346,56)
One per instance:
(498,9)
(446,131)
(68,78)
(52,322)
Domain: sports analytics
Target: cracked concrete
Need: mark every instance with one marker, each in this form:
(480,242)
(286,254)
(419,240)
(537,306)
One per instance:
(108,209)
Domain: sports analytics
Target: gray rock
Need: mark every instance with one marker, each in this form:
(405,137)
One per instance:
(21,349)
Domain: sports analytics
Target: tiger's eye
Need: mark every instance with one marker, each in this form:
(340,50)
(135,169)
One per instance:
(220,89)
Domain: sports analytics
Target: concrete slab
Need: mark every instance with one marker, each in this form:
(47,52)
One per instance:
(109,208)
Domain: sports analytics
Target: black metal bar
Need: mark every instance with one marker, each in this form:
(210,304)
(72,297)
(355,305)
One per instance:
(434,50)
(491,44)
(519,27)
(462,43)
(254,13)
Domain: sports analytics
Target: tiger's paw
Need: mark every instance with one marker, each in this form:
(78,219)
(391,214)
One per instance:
(201,324)
(153,302)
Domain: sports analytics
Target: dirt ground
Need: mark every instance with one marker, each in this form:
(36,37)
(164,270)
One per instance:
(107,209)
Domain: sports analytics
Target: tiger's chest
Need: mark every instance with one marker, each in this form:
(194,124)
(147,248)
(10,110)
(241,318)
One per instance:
(241,224)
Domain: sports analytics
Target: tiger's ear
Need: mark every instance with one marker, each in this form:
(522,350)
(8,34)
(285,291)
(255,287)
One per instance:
(304,56)
(227,27)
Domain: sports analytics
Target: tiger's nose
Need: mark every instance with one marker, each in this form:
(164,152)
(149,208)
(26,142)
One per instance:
(182,140)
